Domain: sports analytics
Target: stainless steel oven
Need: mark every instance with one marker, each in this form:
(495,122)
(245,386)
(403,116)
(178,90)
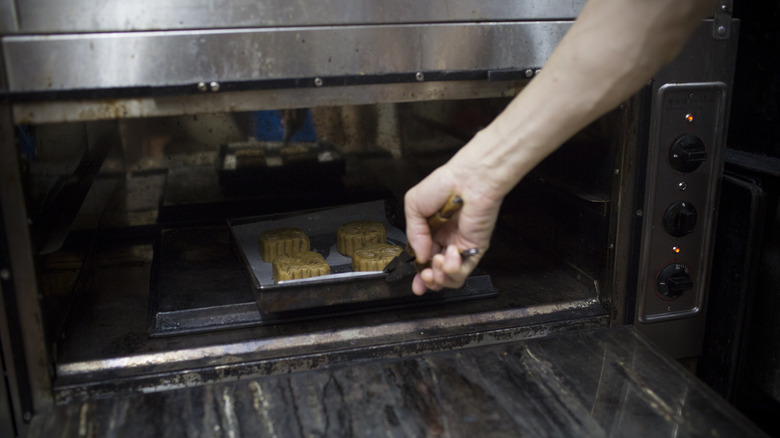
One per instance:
(136,138)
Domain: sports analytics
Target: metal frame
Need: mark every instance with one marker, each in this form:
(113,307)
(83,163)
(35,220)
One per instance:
(46,16)
(30,366)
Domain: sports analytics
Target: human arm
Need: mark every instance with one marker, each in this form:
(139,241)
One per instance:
(613,48)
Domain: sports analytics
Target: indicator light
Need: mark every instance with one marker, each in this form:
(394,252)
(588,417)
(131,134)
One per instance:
(689,118)
(676,249)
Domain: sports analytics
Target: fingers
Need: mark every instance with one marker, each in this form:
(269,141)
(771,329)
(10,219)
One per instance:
(448,270)
(420,203)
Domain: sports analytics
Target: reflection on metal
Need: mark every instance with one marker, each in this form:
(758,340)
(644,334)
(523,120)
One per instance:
(251,349)
(186,58)
(590,383)
(51,16)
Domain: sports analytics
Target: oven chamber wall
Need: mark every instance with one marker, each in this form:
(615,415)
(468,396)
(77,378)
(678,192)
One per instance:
(393,117)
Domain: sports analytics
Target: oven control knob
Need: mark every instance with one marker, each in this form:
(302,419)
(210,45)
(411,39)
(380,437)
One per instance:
(673,281)
(680,219)
(687,153)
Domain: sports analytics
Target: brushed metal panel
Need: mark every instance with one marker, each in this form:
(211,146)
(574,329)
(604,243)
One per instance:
(51,16)
(116,60)
(99,109)
(8,17)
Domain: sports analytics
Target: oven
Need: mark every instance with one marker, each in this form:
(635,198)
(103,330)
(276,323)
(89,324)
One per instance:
(143,147)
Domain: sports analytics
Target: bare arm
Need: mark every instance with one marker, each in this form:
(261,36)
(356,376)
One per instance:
(613,48)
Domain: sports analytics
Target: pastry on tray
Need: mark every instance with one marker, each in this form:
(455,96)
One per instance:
(297,154)
(374,256)
(282,241)
(299,265)
(352,236)
(247,158)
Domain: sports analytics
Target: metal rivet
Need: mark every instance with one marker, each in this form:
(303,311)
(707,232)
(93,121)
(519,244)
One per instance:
(419,76)
(202,86)
(5,274)
(537,71)
(639,212)
(214,86)
(682,185)
(317,82)
(529,73)
(724,7)
(617,171)
(721,30)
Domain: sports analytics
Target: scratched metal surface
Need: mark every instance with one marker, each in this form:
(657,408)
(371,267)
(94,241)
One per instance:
(598,382)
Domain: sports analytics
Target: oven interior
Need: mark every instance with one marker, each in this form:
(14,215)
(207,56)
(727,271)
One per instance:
(141,282)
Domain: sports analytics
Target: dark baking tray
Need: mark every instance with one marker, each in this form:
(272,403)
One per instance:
(200,282)
(321,166)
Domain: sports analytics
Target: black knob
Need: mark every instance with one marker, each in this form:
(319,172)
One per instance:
(674,280)
(687,153)
(680,219)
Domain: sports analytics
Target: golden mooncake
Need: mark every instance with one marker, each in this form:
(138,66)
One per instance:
(354,235)
(374,256)
(299,265)
(282,241)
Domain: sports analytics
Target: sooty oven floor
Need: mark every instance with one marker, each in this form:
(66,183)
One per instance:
(106,347)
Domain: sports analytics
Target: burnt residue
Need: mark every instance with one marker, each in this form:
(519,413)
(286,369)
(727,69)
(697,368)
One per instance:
(598,382)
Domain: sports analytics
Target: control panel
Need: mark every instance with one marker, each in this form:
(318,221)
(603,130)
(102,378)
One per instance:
(684,167)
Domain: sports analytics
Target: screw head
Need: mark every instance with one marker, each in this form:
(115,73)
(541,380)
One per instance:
(214,86)
(721,30)
(202,87)
(419,76)
(317,82)
(529,73)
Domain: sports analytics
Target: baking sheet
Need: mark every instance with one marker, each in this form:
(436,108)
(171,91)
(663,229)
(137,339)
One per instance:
(321,227)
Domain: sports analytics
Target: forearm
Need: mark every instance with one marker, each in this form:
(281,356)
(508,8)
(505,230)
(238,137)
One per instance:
(613,48)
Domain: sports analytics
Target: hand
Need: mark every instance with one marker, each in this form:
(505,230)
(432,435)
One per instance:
(470,228)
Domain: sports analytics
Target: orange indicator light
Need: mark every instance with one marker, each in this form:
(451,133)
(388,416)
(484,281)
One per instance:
(676,249)
(689,118)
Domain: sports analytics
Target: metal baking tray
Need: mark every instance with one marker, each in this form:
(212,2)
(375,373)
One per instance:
(343,289)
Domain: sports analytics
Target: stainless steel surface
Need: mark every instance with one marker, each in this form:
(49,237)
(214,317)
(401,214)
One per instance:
(48,16)
(707,103)
(601,382)
(9,22)
(706,68)
(100,109)
(175,58)
(29,335)
(623,219)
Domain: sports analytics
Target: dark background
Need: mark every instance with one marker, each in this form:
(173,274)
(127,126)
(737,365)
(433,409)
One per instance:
(741,358)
